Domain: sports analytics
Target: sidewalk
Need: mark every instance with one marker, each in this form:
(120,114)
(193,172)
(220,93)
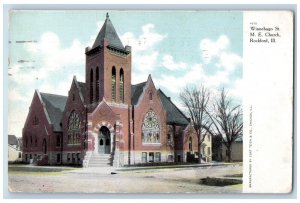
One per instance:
(115,170)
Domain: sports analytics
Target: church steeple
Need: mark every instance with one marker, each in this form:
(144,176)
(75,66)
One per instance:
(108,33)
(108,68)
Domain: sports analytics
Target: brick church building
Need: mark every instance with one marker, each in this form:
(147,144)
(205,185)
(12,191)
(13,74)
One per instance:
(106,120)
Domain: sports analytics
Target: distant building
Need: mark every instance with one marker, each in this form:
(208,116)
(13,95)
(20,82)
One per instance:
(220,151)
(107,120)
(191,146)
(236,150)
(14,151)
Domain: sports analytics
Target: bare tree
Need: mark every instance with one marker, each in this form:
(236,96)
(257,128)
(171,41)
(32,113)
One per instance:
(227,120)
(196,102)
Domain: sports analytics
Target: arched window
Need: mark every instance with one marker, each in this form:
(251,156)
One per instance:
(44,146)
(150,128)
(150,95)
(190,144)
(74,129)
(91,86)
(97,84)
(36,141)
(113,84)
(121,85)
(31,140)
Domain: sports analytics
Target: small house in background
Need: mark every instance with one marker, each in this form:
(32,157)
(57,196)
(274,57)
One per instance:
(191,147)
(220,151)
(236,150)
(14,150)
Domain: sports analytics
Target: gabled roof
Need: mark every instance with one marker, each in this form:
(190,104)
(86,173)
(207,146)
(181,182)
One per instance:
(109,33)
(12,140)
(55,105)
(174,115)
(136,91)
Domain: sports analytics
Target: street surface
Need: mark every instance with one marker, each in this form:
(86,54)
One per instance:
(112,180)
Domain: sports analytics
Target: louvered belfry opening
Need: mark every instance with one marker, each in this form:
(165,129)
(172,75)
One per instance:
(121,86)
(113,84)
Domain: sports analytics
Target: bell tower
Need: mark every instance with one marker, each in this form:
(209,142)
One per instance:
(108,68)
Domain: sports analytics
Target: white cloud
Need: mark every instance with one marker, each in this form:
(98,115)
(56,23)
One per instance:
(237,90)
(147,40)
(15,95)
(144,52)
(229,61)
(168,62)
(212,49)
(217,79)
(146,62)
(176,83)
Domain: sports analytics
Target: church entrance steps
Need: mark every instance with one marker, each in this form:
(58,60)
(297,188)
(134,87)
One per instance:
(99,160)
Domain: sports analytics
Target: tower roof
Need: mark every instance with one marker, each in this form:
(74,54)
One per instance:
(108,33)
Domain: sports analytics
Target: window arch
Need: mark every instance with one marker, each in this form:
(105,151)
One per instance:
(97,84)
(91,86)
(150,128)
(121,85)
(74,129)
(113,84)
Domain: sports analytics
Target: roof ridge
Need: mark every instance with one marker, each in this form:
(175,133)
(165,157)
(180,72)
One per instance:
(53,94)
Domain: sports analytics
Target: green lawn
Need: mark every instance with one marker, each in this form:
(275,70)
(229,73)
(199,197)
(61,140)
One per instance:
(36,170)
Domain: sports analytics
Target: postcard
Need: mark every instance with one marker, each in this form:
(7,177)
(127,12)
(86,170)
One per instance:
(118,101)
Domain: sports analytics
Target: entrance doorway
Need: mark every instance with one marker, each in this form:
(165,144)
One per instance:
(104,141)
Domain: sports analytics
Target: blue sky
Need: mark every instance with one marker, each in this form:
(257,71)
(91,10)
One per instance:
(176,48)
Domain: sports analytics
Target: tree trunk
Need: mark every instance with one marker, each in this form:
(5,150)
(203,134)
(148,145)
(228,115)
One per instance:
(199,152)
(229,154)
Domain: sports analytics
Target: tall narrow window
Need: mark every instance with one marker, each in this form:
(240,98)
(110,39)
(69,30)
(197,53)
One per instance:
(74,129)
(91,87)
(121,85)
(113,84)
(97,84)
(190,144)
(44,146)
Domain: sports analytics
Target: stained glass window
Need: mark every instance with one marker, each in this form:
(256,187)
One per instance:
(150,128)
(74,129)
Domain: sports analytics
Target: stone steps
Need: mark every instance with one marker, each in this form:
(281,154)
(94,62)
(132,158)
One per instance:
(100,160)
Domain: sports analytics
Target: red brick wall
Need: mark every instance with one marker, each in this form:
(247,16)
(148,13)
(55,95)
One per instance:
(124,62)
(105,59)
(79,108)
(144,105)
(92,62)
(38,131)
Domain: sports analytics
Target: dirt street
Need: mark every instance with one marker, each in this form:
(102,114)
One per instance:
(101,180)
